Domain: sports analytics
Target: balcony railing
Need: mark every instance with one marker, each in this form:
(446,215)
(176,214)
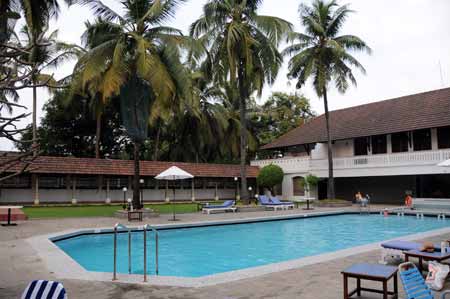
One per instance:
(305,164)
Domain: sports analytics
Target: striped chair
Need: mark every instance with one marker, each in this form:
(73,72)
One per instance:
(44,289)
(413,282)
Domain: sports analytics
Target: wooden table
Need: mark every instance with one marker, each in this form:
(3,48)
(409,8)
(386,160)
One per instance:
(426,256)
(373,272)
(9,223)
(134,215)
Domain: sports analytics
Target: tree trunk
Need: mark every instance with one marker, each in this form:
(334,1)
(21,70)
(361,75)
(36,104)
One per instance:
(158,135)
(97,135)
(330,193)
(34,141)
(136,185)
(243,143)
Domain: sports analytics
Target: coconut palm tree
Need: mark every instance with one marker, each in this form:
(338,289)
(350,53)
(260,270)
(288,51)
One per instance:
(40,52)
(36,12)
(47,55)
(242,49)
(139,62)
(325,56)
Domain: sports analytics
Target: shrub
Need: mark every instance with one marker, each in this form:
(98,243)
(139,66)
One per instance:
(270,176)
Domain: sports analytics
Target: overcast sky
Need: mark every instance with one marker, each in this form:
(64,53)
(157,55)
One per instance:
(410,41)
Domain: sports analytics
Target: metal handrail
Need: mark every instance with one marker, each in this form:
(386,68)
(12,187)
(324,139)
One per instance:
(118,226)
(144,229)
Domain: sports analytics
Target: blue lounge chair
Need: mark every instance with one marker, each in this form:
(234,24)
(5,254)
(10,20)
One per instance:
(277,201)
(228,205)
(270,203)
(395,249)
(413,282)
(44,289)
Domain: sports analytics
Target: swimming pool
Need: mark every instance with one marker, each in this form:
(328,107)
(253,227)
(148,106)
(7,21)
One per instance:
(200,251)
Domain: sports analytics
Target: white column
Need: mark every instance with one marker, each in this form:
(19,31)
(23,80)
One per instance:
(35,183)
(434,140)
(74,186)
(192,190)
(108,199)
(216,194)
(389,143)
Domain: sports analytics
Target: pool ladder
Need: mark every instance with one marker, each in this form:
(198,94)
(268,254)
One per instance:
(145,228)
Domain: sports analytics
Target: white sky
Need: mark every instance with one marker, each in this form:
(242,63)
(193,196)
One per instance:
(409,38)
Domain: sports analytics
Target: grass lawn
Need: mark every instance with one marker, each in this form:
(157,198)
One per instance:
(99,210)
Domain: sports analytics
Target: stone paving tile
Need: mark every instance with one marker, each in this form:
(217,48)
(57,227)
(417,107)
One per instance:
(20,264)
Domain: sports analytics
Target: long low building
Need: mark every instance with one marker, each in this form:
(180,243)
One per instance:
(385,149)
(87,180)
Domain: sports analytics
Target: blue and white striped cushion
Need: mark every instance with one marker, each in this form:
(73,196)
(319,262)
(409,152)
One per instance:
(44,289)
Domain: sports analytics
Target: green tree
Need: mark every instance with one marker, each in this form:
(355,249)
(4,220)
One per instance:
(325,56)
(281,113)
(46,53)
(68,128)
(139,62)
(269,176)
(242,48)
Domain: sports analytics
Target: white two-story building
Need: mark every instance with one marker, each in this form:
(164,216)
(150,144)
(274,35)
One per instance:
(384,149)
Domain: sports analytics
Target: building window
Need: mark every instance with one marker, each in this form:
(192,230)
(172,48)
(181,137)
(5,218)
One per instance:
(400,142)
(443,135)
(298,186)
(422,140)
(379,144)
(360,146)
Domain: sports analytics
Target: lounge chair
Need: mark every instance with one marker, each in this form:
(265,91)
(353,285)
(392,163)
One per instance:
(287,204)
(394,249)
(271,204)
(413,282)
(226,206)
(44,289)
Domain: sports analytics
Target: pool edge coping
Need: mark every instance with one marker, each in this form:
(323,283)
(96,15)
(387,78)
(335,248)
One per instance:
(53,257)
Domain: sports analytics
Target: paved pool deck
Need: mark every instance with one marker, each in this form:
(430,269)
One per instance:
(20,264)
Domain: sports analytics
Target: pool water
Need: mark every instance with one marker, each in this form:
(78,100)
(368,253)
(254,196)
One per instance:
(199,251)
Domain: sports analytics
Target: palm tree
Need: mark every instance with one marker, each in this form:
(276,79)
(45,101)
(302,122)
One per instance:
(48,54)
(325,56)
(242,48)
(37,14)
(139,62)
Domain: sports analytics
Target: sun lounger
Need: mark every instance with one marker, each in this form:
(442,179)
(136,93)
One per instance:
(271,204)
(413,282)
(287,204)
(44,289)
(226,206)
(394,249)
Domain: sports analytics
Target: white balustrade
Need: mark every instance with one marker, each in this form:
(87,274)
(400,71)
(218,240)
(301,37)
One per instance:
(305,164)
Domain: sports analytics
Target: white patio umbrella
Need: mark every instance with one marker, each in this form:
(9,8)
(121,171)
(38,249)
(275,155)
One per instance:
(445,163)
(172,174)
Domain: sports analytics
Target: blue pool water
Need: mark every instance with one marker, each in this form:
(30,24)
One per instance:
(194,252)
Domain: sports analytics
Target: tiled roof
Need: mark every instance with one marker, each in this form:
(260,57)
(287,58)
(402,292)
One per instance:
(419,111)
(90,166)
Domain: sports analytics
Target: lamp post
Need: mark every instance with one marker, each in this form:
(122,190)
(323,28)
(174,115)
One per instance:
(141,181)
(124,189)
(236,192)
(250,192)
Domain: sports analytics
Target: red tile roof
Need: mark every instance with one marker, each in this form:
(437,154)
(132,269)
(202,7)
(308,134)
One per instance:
(419,111)
(90,166)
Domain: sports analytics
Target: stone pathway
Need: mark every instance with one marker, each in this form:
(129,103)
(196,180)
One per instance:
(20,264)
